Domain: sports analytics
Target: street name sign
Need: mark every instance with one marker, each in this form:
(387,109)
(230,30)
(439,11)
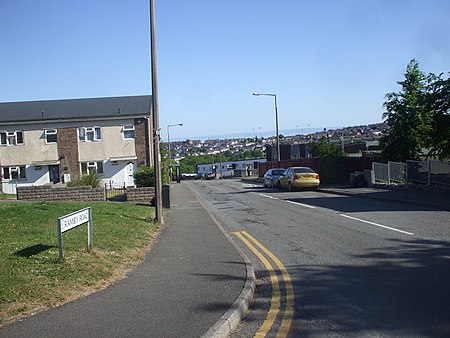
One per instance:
(70,221)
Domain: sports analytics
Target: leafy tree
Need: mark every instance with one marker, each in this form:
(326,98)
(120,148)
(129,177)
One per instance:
(438,104)
(228,154)
(256,153)
(418,117)
(407,117)
(324,148)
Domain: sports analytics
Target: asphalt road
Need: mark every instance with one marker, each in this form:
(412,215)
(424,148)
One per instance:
(359,267)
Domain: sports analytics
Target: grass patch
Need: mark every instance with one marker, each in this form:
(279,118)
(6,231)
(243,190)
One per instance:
(32,276)
(8,196)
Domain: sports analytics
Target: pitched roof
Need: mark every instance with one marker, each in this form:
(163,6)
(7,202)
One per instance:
(125,106)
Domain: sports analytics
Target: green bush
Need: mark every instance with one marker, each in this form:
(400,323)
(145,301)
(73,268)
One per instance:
(145,177)
(85,180)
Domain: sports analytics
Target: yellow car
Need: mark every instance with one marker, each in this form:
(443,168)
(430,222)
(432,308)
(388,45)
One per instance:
(299,177)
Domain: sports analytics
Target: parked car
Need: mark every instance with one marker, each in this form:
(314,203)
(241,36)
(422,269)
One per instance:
(272,177)
(209,176)
(299,177)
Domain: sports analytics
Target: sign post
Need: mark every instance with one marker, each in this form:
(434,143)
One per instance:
(70,221)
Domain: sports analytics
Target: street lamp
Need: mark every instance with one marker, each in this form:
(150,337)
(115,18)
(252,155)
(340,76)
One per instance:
(276,121)
(168,141)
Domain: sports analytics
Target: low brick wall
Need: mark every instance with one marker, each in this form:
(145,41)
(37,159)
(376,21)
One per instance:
(140,194)
(49,193)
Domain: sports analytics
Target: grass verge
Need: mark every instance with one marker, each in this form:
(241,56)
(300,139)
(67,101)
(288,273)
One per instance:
(8,196)
(33,277)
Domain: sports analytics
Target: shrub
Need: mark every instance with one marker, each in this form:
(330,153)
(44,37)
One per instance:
(85,180)
(145,177)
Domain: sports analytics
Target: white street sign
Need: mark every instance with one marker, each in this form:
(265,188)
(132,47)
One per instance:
(73,220)
(70,221)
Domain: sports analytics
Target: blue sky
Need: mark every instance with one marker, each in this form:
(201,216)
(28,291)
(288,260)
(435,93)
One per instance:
(329,62)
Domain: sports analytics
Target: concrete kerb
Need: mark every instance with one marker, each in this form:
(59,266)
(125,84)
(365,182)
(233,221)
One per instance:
(230,320)
(238,310)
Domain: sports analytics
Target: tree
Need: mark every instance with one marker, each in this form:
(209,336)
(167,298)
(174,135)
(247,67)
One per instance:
(418,117)
(438,104)
(324,148)
(408,119)
(403,111)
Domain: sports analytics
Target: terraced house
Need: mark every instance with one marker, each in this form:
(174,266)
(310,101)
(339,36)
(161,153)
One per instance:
(44,142)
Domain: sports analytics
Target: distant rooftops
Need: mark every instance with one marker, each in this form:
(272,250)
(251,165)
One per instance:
(126,106)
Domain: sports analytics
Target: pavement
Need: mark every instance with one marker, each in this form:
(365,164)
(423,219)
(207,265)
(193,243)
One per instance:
(193,282)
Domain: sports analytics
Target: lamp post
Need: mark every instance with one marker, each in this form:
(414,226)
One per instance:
(168,142)
(276,121)
(155,112)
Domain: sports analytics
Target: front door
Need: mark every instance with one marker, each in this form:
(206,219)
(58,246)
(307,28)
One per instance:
(53,171)
(130,174)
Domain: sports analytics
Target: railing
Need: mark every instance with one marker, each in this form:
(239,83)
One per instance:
(397,172)
(429,172)
(115,191)
(390,173)
(422,172)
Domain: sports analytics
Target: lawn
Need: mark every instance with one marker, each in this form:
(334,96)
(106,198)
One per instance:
(8,196)
(33,277)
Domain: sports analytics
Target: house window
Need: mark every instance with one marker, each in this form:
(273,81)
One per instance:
(50,136)
(14,173)
(89,134)
(128,132)
(11,138)
(92,168)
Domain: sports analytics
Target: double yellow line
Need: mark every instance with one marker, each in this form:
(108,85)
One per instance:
(275,303)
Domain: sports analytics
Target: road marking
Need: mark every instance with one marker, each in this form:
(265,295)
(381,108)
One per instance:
(301,204)
(275,300)
(275,303)
(378,225)
(249,185)
(289,310)
(271,197)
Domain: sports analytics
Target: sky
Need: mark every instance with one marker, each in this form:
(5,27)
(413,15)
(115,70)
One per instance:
(329,62)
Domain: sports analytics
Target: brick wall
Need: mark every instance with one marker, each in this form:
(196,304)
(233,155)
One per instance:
(142,143)
(49,193)
(140,194)
(68,152)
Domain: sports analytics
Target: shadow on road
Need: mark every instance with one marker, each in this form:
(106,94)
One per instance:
(396,290)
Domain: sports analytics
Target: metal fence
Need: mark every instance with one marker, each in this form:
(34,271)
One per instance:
(422,172)
(429,172)
(115,191)
(390,173)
